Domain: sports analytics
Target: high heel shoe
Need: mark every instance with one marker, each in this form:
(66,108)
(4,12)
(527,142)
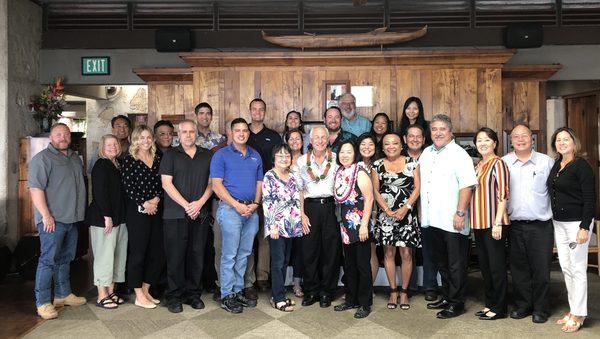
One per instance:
(404,306)
(393,305)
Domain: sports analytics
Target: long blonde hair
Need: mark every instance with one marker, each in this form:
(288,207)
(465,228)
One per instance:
(101,152)
(135,141)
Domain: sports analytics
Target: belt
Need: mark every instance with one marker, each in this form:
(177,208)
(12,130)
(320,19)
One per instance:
(322,201)
(245,202)
(528,221)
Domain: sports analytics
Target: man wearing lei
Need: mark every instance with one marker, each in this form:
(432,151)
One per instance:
(321,245)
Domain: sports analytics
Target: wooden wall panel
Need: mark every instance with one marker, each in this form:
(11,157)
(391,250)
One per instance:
(467,93)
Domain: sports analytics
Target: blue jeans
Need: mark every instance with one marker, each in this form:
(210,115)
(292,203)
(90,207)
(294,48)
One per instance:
(237,234)
(57,251)
(430,269)
(281,249)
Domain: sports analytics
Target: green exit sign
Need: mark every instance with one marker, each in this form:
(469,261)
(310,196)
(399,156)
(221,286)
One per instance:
(95,65)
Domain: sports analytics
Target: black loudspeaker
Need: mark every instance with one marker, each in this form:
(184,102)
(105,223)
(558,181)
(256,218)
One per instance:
(524,35)
(173,40)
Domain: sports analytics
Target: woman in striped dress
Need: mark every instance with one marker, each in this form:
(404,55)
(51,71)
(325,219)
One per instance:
(488,221)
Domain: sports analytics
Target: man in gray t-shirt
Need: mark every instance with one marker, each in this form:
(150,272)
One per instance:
(57,189)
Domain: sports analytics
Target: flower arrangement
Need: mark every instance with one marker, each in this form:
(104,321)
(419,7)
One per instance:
(49,106)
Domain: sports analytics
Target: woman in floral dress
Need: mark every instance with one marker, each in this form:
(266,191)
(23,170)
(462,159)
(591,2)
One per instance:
(396,188)
(353,191)
(281,205)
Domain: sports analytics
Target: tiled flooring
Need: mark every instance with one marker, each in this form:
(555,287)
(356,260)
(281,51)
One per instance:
(129,321)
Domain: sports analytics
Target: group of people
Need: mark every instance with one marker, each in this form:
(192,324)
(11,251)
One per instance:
(335,194)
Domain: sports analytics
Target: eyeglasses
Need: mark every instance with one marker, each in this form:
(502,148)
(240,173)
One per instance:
(283,156)
(162,134)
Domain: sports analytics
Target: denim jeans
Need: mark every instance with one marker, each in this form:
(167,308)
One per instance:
(237,234)
(281,249)
(430,270)
(57,251)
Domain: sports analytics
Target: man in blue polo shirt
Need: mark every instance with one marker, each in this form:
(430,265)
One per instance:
(236,172)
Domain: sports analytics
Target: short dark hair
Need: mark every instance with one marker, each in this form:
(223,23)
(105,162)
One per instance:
(354,148)
(334,107)
(160,123)
(120,116)
(257,100)
(490,133)
(363,137)
(521,124)
(203,105)
(238,121)
(277,148)
(58,124)
(417,126)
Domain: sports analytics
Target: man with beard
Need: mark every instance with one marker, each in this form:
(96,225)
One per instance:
(333,119)
(352,121)
(57,189)
(447,180)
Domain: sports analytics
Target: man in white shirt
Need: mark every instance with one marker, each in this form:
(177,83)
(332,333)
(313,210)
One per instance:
(447,179)
(531,236)
(321,243)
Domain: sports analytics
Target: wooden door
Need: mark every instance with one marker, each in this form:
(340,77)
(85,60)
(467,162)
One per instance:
(583,118)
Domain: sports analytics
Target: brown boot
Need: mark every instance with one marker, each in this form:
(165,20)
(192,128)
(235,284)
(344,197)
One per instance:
(47,311)
(70,300)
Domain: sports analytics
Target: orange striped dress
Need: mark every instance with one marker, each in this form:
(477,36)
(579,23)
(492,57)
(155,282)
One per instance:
(492,187)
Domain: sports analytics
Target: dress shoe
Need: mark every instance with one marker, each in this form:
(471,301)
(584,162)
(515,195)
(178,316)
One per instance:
(70,300)
(451,311)
(196,303)
(245,302)
(47,311)
(344,307)
(217,295)
(539,319)
(431,295)
(519,314)
(438,305)
(362,312)
(262,285)
(309,299)
(231,305)
(175,307)
(494,317)
(251,293)
(325,301)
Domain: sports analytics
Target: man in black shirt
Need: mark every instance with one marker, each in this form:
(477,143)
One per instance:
(262,139)
(185,177)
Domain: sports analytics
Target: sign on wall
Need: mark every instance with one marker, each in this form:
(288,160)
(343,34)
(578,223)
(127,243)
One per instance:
(95,65)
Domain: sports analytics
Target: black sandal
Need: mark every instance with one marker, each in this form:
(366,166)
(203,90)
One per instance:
(103,303)
(285,307)
(404,306)
(393,306)
(115,297)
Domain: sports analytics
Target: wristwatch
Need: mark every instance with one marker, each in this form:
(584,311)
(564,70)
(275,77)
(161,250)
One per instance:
(460,213)
(409,206)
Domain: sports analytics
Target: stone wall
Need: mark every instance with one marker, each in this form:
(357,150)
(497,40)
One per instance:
(24,32)
(131,99)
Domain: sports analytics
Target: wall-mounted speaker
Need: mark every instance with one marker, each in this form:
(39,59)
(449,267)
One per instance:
(173,40)
(524,35)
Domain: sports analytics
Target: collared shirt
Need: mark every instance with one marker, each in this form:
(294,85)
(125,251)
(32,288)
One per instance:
(357,126)
(190,178)
(312,188)
(60,176)
(141,183)
(444,172)
(263,142)
(240,173)
(210,140)
(529,199)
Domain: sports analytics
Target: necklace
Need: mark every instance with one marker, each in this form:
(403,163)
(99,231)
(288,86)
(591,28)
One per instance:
(344,184)
(310,171)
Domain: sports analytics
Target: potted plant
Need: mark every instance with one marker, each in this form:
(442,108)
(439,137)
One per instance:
(48,106)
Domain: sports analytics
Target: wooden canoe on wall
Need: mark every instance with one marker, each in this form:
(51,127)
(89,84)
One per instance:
(373,38)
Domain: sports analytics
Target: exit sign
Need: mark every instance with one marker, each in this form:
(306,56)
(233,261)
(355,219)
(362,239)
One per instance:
(95,65)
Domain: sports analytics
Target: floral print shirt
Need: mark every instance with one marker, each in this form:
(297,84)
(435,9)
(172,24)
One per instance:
(281,204)
(210,140)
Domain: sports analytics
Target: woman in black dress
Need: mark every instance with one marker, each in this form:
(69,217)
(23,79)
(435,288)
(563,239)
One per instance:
(396,192)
